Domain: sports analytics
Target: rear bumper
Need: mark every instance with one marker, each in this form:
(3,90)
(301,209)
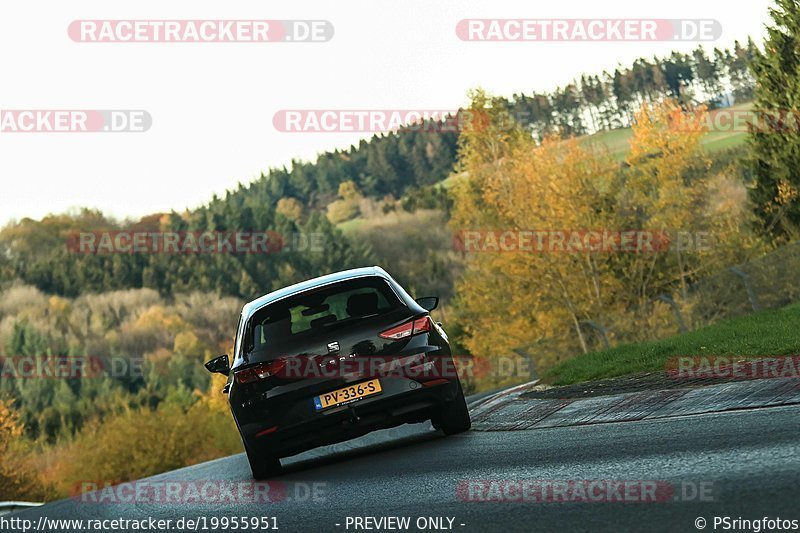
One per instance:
(301,427)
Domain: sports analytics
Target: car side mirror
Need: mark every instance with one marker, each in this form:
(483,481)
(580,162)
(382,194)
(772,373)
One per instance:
(429,303)
(219,365)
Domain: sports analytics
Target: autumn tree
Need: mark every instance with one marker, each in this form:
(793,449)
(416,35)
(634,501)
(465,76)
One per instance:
(575,300)
(291,208)
(512,184)
(347,206)
(18,480)
(658,194)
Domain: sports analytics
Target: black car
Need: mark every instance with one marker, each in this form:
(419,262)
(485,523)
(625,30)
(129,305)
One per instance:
(333,358)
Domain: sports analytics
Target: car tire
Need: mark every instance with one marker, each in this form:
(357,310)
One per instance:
(262,466)
(453,415)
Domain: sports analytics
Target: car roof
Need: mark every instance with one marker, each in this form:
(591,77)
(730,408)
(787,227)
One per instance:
(251,307)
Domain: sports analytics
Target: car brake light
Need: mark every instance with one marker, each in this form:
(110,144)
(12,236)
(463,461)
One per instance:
(407,329)
(434,382)
(267,431)
(260,371)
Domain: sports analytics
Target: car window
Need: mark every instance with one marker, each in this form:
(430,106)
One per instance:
(336,307)
(321,310)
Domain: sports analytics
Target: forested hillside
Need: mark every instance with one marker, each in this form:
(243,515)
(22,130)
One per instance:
(396,170)
(394,200)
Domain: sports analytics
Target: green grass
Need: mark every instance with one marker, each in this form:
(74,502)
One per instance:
(352,225)
(720,141)
(768,333)
(617,141)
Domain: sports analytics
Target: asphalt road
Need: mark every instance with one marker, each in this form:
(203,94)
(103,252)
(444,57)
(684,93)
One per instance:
(746,461)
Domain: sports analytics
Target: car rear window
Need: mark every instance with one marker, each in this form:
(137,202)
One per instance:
(319,310)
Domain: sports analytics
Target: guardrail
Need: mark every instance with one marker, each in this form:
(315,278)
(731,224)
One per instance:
(12,507)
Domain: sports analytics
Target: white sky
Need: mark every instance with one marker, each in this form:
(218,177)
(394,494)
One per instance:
(212,104)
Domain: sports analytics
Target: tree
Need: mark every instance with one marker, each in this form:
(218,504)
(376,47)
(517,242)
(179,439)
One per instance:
(623,95)
(291,208)
(664,148)
(512,184)
(18,481)
(347,206)
(775,160)
(707,72)
(678,75)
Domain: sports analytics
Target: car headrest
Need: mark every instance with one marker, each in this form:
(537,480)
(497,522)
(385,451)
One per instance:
(362,304)
(277,325)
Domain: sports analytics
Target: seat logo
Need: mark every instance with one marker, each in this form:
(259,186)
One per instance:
(333,347)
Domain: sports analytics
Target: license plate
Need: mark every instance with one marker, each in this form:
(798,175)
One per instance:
(347,394)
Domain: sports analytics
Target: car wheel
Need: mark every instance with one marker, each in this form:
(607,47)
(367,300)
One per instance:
(262,466)
(453,416)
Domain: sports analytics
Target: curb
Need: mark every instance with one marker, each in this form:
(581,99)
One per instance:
(510,411)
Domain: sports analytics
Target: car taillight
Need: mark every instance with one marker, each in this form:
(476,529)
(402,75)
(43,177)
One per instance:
(260,371)
(407,329)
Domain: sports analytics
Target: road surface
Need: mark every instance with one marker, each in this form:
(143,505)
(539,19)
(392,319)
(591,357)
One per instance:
(742,464)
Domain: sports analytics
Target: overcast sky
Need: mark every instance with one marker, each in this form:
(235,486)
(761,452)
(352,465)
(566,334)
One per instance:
(212,103)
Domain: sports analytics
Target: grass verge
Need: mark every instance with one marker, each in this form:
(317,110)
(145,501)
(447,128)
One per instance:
(767,333)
